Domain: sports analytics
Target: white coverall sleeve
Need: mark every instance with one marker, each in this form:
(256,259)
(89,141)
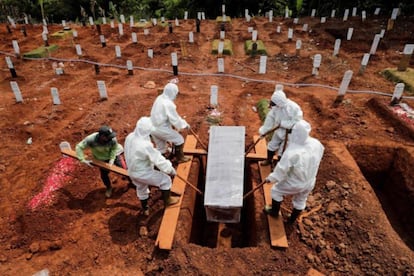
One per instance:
(160,161)
(281,171)
(174,118)
(269,123)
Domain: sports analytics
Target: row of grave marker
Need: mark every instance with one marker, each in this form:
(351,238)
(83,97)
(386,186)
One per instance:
(103,93)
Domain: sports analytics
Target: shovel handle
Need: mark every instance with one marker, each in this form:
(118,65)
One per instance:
(189,184)
(198,139)
(255,189)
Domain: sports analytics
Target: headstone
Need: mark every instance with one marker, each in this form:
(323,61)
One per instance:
(162,19)
(346,14)
(246,13)
(313,12)
(295,20)
(298,47)
(63,23)
(45,40)
(290,34)
(55,95)
(349,33)
(354,11)
(222,35)
(154,22)
(254,35)
(286,12)
(75,33)
(26,20)
(278,29)
(220,47)
(122,17)
(104,20)
(78,50)
(117,51)
(185,15)
(103,41)
(16,47)
(271,16)
(146,32)
(333,12)
(262,65)
(397,95)
(130,68)
(45,30)
(364,15)
(305,27)
(131,21)
(220,65)
(150,53)
(336,47)
(223,9)
(382,33)
(199,15)
(405,60)
(317,59)
(112,24)
(377,11)
(394,13)
(345,82)
(249,29)
(364,63)
(191,37)
(177,23)
(203,16)
(102,90)
(213,95)
(323,19)
(16,91)
(134,37)
(91,21)
(174,61)
(224,18)
(121,29)
(375,43)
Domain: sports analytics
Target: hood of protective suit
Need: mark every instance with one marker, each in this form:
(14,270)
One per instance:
(279,98)
(144,127)
(300,132)
(279,87)
(170,91)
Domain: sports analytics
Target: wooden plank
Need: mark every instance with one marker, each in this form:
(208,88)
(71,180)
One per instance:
(223,236)
(276,227)
(113,168)
(314,272)
(170,218)
(195,151)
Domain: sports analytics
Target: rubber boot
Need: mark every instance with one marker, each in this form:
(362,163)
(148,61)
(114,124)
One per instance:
(179,154)
(168,199)
(273,210)
(145,208)
(269,159)
(295,214)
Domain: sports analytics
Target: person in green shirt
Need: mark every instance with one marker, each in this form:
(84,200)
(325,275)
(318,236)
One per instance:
(104,147)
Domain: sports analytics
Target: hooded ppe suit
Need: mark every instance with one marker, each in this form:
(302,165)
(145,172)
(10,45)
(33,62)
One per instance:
(284,113)
(163,116)
(141,157)
(295,173)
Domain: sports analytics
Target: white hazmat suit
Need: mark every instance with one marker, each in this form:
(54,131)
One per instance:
(164,116)
(295,173)
(284,113)
(141,157)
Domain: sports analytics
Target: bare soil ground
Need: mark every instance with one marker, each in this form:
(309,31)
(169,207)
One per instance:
(360,212)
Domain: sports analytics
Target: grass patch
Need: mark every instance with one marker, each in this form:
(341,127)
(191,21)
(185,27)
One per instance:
(62,34)
(41,51)
(261,49)
(219,19)
(227,50)
(262,108)
(406,77)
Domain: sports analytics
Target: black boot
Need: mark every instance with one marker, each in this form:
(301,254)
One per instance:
(168,199)
(294,215)
(269,159)
(179,154)
(144,205)
(273,210)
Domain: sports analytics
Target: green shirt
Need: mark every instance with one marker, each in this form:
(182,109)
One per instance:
(100,152)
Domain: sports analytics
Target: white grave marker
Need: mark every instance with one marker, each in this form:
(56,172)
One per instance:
(55,95)
(102,90)
(45,30)
(305,27)
(191,37)
(220,47)
(177,23)
(9,62)
(117,51)
(203,16)
(346,13)
(174,59)
(323,19)
(91,21)
(222,34)
(398,91)
(78,49)
(354,11)
(382,33)
(298,46)
(214,95)
(154,21)
(278,29)
(16,47)
(134,38)
(185,15)
(262,65)
(286,12)
(26,20)
(317,59)
(254,35)
(375,43)
(223,9)
(75,33)
(150,53)
(112,24)
(122,17)
(271,16)
(336,47)
(377,11)
(313,12)
(295,20)
(146,32)
(63,23)
(16,91)
(349,33)
(249,29)
(224,18)
(130,68)
(364,15)
(394,13)
(131,21)
(364,63)
(121,29)
(290,34)
(345,82)
(333,12)
(104,20)
(220,65)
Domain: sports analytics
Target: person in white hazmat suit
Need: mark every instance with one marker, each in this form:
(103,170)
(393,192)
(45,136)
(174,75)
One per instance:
(164,117)
(295,173)
(141,157)
(284,113)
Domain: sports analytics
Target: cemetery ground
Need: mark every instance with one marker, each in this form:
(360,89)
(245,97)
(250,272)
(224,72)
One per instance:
(54,214)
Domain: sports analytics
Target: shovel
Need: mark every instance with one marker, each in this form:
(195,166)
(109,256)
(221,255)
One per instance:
(260,138)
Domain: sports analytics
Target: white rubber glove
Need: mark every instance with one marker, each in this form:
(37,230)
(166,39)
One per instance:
(111,162)
(172,172)
(87,162)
